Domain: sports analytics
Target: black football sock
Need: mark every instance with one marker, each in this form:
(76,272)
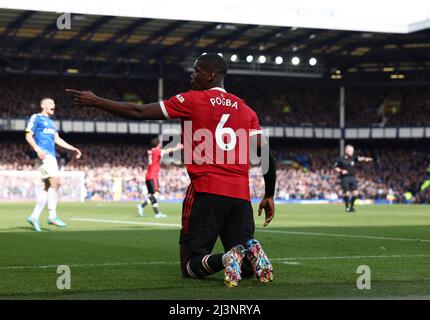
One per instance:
(346,200)
(155,208)
(203,266)
(144,204)
(353,201)
(154,203)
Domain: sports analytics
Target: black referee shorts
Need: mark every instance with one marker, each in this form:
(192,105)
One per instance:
(349,184)
(206,216)
(152,186)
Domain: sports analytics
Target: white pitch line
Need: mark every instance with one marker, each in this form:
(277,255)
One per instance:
(158,224)
(291,260)
(354,257)
(108,264)
(340,235)
(294,263)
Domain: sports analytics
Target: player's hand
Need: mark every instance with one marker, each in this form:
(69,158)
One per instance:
(41,155)
(82,98)
(344,172)
(268,205)
(78,153)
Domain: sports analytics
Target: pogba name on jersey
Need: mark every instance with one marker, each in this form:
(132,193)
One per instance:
(223,102)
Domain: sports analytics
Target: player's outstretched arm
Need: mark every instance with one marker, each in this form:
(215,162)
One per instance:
(67,146)
(128,110)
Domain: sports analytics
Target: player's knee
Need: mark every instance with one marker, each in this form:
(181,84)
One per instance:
(152,199)
(190,272)
(195,268)
(185,273)
(54,183)
(184,270)
(46,184)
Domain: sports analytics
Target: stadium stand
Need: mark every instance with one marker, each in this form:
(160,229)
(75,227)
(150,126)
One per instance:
(303,172)
(275,105)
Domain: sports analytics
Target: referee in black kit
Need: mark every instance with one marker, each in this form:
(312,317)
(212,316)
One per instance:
(345,166)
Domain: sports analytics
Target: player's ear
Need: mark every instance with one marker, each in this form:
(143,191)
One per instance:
(211,76)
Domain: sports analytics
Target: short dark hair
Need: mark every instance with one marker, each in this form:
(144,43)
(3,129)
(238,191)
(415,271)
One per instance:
(213,62)
(155,142)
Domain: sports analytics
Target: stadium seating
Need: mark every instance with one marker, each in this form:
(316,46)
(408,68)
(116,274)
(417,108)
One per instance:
(275,105)
(303,173)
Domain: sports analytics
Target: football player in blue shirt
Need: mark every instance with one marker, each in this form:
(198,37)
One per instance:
(42,136)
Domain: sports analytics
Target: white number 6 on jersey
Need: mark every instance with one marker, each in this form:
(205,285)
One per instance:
(221,131)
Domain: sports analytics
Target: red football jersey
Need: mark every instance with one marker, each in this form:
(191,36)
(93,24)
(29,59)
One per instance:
(216,126)
(154,158)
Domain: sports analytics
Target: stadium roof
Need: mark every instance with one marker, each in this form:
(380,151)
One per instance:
(363,15)
(30,41)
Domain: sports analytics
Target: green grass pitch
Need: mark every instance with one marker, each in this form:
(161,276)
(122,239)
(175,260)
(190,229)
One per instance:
(115,254)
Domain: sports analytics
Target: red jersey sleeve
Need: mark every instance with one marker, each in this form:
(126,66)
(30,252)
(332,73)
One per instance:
(179,106)
(255,125)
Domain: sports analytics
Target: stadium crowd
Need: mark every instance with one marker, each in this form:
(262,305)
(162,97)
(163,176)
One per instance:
(303,173)
(275,105)
(33,88)
(117,172)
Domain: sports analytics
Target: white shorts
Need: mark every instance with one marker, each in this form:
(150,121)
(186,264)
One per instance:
(48,167)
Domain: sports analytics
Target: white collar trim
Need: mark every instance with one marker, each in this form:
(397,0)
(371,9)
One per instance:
(219,89)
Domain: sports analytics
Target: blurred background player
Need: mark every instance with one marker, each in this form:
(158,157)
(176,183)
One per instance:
(155,154)
(42,136)
(345,166)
